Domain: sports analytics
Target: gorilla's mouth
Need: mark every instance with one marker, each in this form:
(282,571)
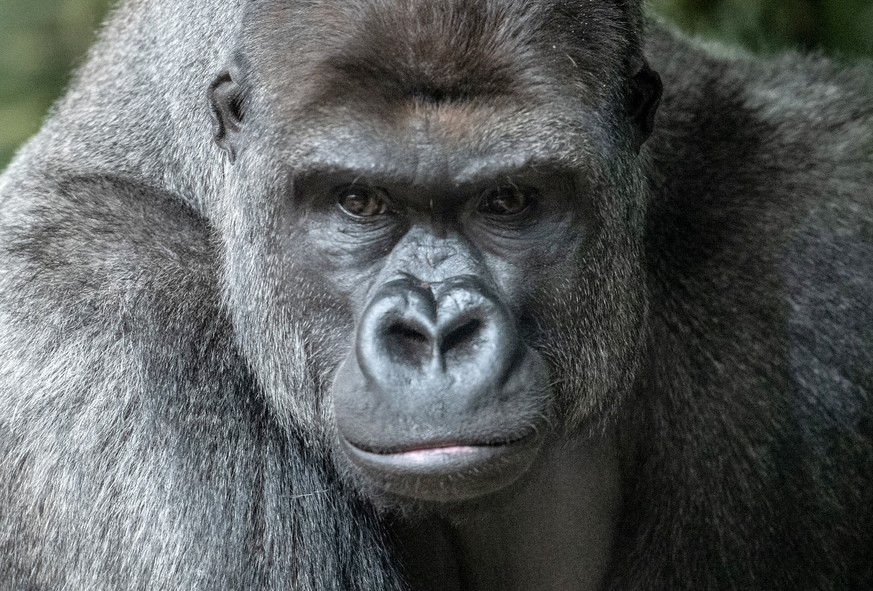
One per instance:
(444,445)
(445,471)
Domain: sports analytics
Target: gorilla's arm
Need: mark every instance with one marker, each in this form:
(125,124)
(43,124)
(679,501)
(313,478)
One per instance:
(135,449)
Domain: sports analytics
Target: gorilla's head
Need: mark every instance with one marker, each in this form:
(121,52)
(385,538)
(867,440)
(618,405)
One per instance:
(437,208)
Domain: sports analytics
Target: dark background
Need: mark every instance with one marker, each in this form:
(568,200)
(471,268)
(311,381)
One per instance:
(42,40)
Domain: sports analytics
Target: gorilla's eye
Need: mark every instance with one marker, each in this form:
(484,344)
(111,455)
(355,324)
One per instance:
(505,201)
(363,202)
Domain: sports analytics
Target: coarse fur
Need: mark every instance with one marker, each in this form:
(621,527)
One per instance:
(145,442)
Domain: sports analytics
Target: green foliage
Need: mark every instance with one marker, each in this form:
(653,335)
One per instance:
(41,40)
(839,27)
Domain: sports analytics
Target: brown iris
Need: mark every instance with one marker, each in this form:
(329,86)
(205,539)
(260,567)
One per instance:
(506,201)
(362,201)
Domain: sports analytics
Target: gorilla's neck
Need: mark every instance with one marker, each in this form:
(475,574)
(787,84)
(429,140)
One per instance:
(553,533)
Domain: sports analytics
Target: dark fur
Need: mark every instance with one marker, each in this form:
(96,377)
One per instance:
(140,449)
(756,406)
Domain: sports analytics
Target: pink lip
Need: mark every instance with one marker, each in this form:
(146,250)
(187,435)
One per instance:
(447,470)
(440,459)
(427,454)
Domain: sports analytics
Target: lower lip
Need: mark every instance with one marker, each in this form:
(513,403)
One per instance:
(432,458)
(452,473)
(436,461)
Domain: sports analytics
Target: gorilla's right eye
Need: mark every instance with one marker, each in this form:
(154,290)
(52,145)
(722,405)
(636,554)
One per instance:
(507,201)
(363,202)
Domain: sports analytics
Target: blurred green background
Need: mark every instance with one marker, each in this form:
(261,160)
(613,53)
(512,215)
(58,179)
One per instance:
(41,40)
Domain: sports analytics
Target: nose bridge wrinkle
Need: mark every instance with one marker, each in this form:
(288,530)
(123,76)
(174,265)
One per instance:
(431,258)
(436,255)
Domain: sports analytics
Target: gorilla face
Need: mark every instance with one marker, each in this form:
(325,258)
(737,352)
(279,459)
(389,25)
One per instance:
(449,232)
(440,383)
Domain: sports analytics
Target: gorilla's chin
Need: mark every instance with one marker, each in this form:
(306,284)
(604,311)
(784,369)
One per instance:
(444,472)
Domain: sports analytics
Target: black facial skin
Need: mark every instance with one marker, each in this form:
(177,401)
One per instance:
(440,382)
(448,300)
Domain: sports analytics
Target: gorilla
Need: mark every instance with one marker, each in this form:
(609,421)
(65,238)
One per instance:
(437,296)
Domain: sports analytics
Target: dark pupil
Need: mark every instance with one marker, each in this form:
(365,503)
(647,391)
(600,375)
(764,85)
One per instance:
(506,201)
(362,203)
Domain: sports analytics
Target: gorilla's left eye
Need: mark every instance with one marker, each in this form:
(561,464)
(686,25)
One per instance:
(363,202)
(506,201)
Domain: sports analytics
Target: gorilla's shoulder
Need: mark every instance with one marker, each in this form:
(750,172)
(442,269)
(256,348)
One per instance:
(107,273)
(790,126)
(76,239)
(762,212)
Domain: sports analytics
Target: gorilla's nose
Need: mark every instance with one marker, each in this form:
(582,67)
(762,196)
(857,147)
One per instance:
(438,386)
(438,331)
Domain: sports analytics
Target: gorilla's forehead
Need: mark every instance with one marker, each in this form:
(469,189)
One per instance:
(449,85)
(452,144)
(371,51)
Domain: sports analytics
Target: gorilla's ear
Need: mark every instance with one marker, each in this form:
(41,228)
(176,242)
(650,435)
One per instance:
(226,97)
(644,98)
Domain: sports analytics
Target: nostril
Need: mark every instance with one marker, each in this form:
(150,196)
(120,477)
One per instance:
(406,342)
(461,337)
(403,332)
